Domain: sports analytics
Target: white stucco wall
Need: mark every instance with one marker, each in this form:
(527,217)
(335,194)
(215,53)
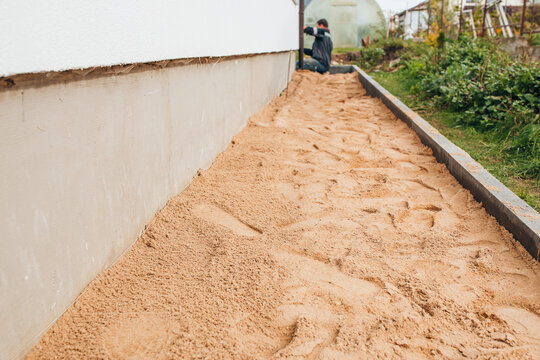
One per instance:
(86,164)
(53,35)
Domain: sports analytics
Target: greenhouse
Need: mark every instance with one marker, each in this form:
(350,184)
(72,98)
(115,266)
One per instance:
(350,20)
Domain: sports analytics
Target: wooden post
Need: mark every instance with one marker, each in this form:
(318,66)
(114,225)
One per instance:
(522,28)
(484,18)
(460,17)
(428,16)
(301,28)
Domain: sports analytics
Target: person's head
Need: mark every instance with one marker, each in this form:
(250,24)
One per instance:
(322,24)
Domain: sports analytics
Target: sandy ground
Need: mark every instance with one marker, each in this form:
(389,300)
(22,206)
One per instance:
(326,230)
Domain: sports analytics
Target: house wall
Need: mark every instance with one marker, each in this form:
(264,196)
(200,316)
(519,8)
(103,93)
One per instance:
(87,161)
(86,164)
(57,35)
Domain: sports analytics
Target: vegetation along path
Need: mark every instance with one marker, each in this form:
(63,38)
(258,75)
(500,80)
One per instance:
(326,230)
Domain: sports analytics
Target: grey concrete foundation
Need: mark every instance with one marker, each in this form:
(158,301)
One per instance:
(86,164)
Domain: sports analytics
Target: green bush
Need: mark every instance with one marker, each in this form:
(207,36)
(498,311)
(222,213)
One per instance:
(535,40)
(372,55)
(488,91)
(392,47)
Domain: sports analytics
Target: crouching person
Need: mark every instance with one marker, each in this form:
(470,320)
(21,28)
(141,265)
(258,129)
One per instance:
(321,54)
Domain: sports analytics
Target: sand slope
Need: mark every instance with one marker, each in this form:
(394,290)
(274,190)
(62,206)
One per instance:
(326,230)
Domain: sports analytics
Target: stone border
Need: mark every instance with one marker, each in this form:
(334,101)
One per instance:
(511,212)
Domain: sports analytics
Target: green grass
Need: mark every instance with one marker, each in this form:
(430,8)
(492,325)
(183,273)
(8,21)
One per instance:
(481,146)
(535,40)
(345,50)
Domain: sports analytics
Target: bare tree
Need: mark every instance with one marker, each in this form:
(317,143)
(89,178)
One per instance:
(522,28)
(442,16)
(484,18)
(460,17)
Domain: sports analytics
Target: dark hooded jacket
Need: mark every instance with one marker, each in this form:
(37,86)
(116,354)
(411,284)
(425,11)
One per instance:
(322,47)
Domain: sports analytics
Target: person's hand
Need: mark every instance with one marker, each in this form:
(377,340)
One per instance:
(305,27)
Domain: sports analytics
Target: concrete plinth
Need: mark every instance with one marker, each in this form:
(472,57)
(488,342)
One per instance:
(86,164)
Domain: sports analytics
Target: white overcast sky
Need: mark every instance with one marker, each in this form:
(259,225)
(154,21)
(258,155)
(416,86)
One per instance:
(394,6)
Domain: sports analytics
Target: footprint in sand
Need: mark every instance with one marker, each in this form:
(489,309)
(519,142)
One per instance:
(396,155)
(461,294)
(217,216)
(521,320)
(308,337)
(290,191)
(436,270)
(291,312)
(380,228)
(411,221)
(318,222)
(328,278)
(409,166)
(474,246)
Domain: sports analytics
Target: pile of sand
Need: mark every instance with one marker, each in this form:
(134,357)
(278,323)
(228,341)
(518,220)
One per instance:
(326,230)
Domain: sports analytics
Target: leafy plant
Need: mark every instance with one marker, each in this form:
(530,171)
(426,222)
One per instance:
(372,55)
(487,91)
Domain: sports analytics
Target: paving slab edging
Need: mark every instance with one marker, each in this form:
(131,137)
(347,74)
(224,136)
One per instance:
(511,211)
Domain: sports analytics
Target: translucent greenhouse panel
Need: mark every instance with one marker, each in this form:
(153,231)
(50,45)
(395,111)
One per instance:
(350,20)
(370,19)
(344,20)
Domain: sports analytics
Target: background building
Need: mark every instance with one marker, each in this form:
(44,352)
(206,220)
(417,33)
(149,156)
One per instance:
(414,19)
